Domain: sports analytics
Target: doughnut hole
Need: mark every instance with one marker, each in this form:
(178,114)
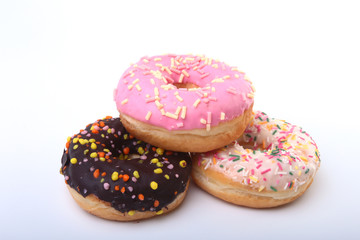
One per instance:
(185,85)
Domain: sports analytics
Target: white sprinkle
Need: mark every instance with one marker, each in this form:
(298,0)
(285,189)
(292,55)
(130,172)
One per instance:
(124,101)
(250,95)
(148,115)
(222,116)
(145,60)
(236,75)
(132,74)
(162,112)
(138,87)
(183,112)
(135,81)
(130,86)
(203,121)
(180,124)
(215,65)
(152,81)
(157,59)
(226,77)
(208,127)
(213,89)
(196,103)
(253,88)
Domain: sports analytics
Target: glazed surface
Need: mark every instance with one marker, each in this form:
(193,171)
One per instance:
(105,160)
(273,155)
(182,92)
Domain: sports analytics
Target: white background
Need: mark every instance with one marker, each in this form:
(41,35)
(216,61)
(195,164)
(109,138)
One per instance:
(61,60)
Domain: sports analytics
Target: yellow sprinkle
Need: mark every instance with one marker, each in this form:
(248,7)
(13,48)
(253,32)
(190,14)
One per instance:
(159,212)
(109,130)
(236,75)
(181,78)
(82,141)
(131,213)
(86,151)
(102,159)
(73,160)
(158,171)
(68,139)
(153,185)
(183,112)
(217,80)
(261,188)
(156,91)
(171,115)
(254,179)
(160,151)
(124,101)
(179,98)
(141,150)
(213,89)
(162,112)
(185,73)
(222,116)
(157,59)
(159,164)
(215,65)
(132,74)
(182,163)
(93,155)
(167,176)
(138,87)
(196,103)
(178,110)
(299,172)
(115,176)
(152,81)
(148,115)
(76,146)
(106,150)
(208,127)
(154,160)
(303,158)
(226,77)
(92,140)
(130,86)
(136,174)
(145,60)
(158,104)
(93,146)
(250,95)
(75,140)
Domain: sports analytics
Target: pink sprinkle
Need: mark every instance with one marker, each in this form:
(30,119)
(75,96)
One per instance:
(265,171)
(147,73)
(280,167)
(175,71)
(96,127)
(106,128)
(252,171)
(179,124)
(84,132)
(258,166)
(212,99)
(208,117)
(264,179)
(170,166)
(126,75)
(231,91)
(204,75)
(106,186)
(201,66)
(150,100)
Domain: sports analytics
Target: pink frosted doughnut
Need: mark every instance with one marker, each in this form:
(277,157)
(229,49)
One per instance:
(271,164)
(184,102)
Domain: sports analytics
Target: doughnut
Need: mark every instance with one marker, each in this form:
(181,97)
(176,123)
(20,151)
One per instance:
(115,176)
(271,164)
(184,103)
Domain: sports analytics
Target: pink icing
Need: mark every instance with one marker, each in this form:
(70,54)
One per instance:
(146,92)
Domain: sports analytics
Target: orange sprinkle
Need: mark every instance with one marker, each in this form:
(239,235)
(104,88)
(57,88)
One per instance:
(117,188)
(96,173)
(141,197)
(101,154)
(67,144)
(125,177)
(131,136)
(169,153)
(95,131)
(122,189)
(108,117)
(126,150)
(102,124)
(156,203)
(263,144)
(103,174)
(120,176)
(175,192)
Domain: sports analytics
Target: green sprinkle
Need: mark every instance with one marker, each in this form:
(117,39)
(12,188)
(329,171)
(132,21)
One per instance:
(278,126)
(272,188)
(248,135)
(274,132)
(291,173)
(255,139)
(307,170)
(221,166)
(291,183)
(267,119)
(260,118)
(240,169)
(236,159)
(279,159)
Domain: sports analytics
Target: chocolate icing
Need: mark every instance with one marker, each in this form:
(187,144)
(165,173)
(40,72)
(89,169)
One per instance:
(90,171)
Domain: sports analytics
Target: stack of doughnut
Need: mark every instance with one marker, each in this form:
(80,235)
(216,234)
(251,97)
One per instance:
(183,116)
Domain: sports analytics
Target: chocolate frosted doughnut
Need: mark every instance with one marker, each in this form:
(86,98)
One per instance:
(115,176)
